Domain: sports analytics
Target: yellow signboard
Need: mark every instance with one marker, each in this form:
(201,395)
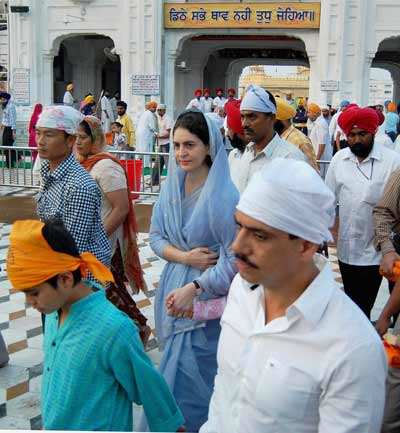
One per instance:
(242,15)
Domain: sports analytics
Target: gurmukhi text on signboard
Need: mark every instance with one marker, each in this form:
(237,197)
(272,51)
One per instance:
(21,86)
(145,84)
(242,15)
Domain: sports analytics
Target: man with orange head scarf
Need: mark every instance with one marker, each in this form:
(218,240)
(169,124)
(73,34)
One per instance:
(392,121)
(146,131)
(318,133)
(95,366)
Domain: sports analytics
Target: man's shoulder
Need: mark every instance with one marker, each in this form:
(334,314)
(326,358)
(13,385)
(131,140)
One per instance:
(291,150)
(356,329)
(78,179)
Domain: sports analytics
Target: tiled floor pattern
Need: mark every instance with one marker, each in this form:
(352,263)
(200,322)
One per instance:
(20,326)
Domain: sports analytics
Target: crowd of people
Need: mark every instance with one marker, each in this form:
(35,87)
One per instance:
(255,332)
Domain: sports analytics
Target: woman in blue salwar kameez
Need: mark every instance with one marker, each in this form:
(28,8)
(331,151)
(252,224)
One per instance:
(193,228)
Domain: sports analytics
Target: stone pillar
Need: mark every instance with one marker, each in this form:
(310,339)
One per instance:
(169,90)
(315,94)
(46,92)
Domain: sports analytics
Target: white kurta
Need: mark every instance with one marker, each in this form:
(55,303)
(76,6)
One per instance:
(358,186)
(107,114)
(320,368)
(207,104)
(195,103)
(68,99)
(320,135)
(219,101)
(146,128)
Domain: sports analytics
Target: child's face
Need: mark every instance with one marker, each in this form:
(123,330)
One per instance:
(116,129)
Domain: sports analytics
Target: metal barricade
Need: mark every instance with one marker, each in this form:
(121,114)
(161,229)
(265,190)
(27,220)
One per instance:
(17,169)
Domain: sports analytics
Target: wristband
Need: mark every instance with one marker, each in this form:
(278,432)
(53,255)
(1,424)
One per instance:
(199,290)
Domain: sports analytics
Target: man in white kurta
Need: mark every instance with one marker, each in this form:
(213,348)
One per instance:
(319,136)
(107,113)
(68,98)
(145,132)
(207,102)
(357,176)
(196,102)
(295,354)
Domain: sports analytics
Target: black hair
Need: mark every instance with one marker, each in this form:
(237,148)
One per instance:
(120,125)
(271,97)
(86,128)
(61,241)
(196,124)
(122,104)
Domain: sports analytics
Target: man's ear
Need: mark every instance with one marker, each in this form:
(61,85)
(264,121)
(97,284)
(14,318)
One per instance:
(66,280)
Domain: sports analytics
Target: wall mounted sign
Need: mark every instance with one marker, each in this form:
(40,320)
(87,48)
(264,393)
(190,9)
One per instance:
(242,15)
(21,86)
(145,84)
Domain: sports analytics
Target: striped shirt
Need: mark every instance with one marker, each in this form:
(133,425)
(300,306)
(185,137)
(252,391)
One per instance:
(387,215)
(10,116)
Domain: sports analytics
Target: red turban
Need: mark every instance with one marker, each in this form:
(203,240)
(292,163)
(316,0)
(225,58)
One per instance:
(206,91)
(233,120)
(219,89)
(198,92)
(232,90)
(356,117)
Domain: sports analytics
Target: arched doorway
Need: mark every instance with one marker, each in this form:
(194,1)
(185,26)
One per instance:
(388,57)
(217,60)
(90,62)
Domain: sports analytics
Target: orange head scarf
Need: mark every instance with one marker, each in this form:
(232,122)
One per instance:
(31,261)
(314,108)
(392,108)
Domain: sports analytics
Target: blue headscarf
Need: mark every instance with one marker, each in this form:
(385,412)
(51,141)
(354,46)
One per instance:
(213,213)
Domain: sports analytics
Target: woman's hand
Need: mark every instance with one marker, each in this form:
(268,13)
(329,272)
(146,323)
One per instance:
(201,258)
(179,302)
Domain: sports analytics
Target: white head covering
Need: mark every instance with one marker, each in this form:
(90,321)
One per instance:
(161,107)
(61,117)
(257,99)
(289,195)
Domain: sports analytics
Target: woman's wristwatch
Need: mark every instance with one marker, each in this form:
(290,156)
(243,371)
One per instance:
(199,290)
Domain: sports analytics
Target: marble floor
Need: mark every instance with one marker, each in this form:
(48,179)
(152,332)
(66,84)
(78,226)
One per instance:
(21,328)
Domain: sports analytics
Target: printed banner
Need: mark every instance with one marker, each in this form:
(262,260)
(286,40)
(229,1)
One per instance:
(242,15)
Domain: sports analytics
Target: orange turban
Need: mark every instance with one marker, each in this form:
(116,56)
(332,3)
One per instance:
(31,261)
(392,107)
(151,104)
(314,108)
(284,111)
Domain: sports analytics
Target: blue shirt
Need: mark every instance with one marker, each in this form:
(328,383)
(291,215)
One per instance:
(95,367)
(10,116)
(70,194)
(391,122)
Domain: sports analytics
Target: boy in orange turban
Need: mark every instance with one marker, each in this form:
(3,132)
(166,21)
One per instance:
(94,362)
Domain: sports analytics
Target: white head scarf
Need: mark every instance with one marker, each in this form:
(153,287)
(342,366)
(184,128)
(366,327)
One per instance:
(161,107)
(257,99)
(61,117)
(289,195)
